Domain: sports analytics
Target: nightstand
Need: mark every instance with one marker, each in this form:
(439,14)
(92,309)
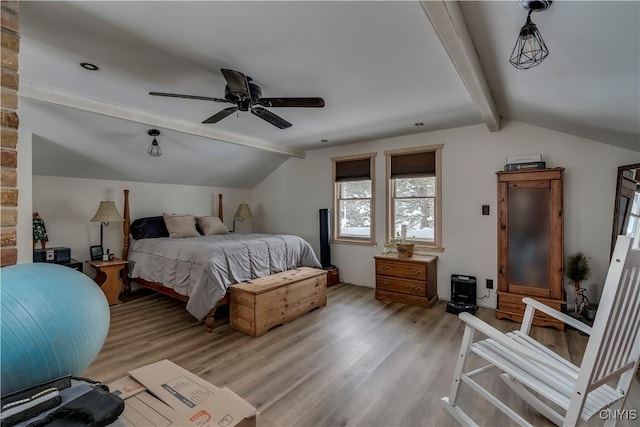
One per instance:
(108,277)
(333,275)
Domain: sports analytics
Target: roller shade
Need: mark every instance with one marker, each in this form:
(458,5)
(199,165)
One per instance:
(353,170)
(413,165)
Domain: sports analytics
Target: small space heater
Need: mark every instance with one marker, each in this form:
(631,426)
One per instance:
(463,294)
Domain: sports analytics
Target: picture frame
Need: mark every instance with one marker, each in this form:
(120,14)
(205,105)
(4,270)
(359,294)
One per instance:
(96,252)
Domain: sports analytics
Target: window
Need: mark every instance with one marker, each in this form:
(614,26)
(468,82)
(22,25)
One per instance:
(413,195)
(353,220)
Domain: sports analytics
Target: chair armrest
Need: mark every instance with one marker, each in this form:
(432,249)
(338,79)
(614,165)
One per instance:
(504,340)
(574,323)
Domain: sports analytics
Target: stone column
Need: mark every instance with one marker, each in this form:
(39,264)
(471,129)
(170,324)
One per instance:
(9,132)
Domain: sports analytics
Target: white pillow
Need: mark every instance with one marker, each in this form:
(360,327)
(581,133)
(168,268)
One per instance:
(210,225)
(180,225)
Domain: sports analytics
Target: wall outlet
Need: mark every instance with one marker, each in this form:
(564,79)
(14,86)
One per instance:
(489,283)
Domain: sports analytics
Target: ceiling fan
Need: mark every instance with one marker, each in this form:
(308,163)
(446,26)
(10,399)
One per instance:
(247,96)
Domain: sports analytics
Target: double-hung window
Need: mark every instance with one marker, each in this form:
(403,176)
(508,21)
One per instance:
(414,194)
(354,192)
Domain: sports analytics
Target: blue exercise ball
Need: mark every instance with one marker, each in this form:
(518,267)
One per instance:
(54,321)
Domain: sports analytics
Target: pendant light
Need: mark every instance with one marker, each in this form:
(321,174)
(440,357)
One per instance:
(530,49)
(154,149)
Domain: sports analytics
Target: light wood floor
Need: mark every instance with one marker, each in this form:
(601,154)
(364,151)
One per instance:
(356,362)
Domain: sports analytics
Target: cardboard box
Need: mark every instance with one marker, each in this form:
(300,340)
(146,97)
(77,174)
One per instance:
(181,399)
(141,408)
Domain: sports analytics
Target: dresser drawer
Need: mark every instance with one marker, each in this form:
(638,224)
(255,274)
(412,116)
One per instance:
(399,285)
(407,270)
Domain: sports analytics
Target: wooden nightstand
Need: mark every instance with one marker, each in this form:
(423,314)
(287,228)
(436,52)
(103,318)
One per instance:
(108,277)
(407,280)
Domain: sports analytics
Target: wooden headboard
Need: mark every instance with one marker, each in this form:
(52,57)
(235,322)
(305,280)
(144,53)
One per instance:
(126,225)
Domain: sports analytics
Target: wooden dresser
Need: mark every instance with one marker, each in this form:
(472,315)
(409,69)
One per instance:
(407,280)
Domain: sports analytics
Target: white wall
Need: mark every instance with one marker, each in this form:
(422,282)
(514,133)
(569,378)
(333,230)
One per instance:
(67,204)
(24,229)
(288,200)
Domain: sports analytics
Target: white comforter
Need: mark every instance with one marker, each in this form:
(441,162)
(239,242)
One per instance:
(203,267)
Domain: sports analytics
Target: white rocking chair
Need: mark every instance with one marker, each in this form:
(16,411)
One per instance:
(535,373)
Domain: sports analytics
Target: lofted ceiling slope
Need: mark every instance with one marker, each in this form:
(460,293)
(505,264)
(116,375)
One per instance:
(588,86)
(380,66)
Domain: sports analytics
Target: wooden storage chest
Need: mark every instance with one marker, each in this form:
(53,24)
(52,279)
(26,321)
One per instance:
(261,304)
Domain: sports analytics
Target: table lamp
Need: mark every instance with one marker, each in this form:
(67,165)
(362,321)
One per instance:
(105,214)
(241,214)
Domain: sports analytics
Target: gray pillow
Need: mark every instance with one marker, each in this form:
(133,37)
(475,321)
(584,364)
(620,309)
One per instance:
(181,225)
(210,225)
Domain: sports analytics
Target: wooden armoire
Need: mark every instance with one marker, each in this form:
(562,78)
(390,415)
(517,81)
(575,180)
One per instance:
(530,242)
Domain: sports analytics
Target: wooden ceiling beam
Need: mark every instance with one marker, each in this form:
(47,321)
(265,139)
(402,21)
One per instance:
(48,95)
(448,21)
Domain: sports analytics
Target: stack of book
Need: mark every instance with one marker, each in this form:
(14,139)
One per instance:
(531,161)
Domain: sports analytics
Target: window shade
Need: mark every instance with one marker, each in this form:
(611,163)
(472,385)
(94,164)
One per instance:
(353,170)
(413,165)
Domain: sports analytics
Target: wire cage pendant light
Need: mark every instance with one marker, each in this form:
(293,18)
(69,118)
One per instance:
(154,149)
(530,49)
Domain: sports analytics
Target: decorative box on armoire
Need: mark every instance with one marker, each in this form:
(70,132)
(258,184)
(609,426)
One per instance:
(530,243)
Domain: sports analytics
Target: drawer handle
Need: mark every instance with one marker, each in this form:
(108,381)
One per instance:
(384,283)
(385,268)
(415,271)
(415,288)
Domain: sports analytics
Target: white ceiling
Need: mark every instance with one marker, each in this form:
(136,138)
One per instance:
(380,66)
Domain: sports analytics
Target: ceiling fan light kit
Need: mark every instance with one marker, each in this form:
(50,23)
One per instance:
(247,96)
(154,149)
(530,49)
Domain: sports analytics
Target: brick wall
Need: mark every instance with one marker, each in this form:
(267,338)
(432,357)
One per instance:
(9,132)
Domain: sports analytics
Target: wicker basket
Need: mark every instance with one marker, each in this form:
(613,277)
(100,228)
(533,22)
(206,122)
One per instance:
(405,250)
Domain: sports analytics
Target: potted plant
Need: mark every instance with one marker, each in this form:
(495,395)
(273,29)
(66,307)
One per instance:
(578,270)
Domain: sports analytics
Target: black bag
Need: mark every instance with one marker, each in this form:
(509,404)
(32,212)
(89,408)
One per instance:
(67,401)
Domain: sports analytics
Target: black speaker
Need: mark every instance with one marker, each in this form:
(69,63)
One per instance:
(325,237)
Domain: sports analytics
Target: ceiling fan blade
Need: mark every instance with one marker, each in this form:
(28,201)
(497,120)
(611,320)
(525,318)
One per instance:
(267,115)
(177,95)
(221,115)
(237,82)
(292,102)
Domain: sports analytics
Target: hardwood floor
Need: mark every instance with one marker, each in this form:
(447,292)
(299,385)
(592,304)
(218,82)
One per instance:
(356,362)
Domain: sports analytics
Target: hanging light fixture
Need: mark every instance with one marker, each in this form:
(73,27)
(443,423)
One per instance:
(530,49)
(154,149)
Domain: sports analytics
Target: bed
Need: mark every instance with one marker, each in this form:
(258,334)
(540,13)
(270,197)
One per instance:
(200,269)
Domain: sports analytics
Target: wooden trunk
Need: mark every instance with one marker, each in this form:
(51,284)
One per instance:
(261,304)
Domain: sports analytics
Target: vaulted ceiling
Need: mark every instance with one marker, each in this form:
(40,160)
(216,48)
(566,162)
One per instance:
(381,67)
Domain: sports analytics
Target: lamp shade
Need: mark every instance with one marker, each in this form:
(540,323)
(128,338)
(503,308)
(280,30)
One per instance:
(243,212)
(107,212)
